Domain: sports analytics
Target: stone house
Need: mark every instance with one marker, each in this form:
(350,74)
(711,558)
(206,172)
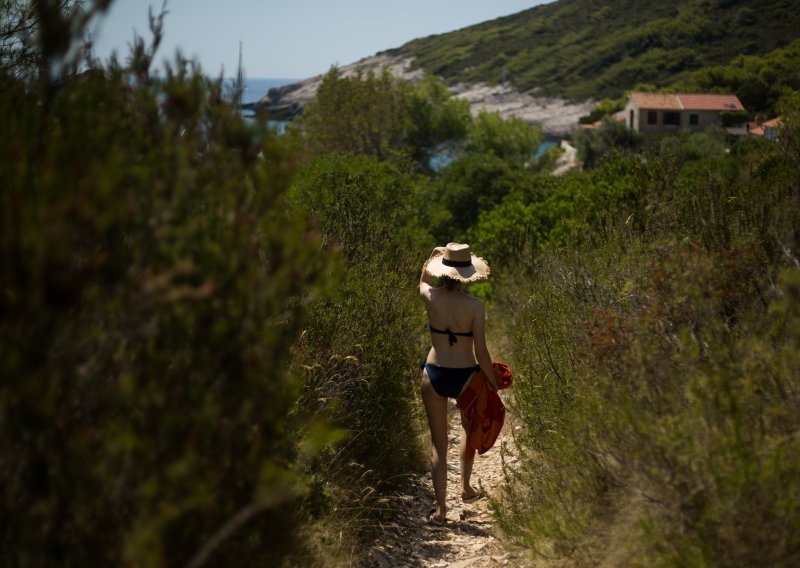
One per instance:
(665,113)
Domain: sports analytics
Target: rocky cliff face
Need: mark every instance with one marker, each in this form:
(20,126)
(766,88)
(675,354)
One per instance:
(557,116)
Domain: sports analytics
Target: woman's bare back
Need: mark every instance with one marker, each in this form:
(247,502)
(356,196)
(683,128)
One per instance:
(455,311)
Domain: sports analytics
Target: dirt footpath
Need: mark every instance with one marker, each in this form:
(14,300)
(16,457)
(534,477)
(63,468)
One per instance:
(469,537)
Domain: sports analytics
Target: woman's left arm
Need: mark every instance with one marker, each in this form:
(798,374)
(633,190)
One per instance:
(481,351)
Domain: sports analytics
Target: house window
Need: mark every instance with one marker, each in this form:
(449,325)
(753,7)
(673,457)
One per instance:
(631,123)
(694,120)
(652,117)
(672,118)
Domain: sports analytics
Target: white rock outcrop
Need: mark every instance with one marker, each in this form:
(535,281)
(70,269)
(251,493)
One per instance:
(557,116)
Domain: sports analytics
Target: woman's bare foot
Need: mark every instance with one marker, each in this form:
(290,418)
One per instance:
(436,518)
(470,495)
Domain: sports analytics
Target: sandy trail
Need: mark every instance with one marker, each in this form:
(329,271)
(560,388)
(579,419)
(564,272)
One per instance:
(470,537)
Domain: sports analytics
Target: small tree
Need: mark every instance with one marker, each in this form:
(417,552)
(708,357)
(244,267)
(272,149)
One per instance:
(378,116)
(593,144)
(511,139)
(432,117)
(361,114)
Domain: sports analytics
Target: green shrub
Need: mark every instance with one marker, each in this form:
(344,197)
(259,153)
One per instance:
(432,117)
(380,116)
(362,348)
(687,146)
(152,288)
(358,114)
(512,140)
(594,144)
(654,386)
(606,107)
(546,211)
(471,184)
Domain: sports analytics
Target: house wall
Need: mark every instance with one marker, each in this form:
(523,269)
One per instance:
(705,118)
(659,127)
(632,108)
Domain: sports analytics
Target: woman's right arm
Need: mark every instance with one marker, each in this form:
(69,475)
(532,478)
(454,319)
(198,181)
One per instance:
(425,279)
(481,351)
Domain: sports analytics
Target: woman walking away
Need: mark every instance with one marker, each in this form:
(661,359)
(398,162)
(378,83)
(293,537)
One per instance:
(456,321)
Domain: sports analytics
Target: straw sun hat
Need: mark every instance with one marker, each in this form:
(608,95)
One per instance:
(458,263)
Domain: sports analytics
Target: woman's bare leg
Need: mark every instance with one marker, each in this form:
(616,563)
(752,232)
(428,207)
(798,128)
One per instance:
(467,455)
(436,408)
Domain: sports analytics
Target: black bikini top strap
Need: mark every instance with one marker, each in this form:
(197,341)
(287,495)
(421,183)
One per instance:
(451,335)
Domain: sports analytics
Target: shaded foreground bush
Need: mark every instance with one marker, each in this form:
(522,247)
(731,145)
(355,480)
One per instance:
(362,347)
(658,379)
(152,288)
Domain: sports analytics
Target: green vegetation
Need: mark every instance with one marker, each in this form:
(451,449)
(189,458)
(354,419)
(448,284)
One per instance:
(654,346)
(377,116)
(759,82)
(152,289)
(360,350)
(212,334)
(593,144)
(607,107)
(496,156)
(587,49)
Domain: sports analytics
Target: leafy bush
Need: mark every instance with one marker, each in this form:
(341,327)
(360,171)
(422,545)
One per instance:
(497,156)
(654,383)
(688,146)
(547,211)
(358,114)
(593,144)
(512,139)
(606,107)
(153,286)
(469,185)
(380,116)
(362,348)
(432,118)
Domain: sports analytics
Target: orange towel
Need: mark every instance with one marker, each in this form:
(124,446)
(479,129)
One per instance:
(482,411)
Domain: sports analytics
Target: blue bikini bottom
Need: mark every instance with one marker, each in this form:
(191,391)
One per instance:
(449,381)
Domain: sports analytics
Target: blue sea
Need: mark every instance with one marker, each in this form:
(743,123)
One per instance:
(257,87)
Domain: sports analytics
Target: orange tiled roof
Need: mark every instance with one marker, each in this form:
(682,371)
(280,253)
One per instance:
(686,101)
(756,131)
(702,101)
(774,123)
(656,101)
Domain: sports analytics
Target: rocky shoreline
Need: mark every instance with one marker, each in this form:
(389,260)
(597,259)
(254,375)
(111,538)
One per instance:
(557,116)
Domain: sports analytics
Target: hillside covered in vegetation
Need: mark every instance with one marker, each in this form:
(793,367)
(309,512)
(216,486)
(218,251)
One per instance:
(588,49)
